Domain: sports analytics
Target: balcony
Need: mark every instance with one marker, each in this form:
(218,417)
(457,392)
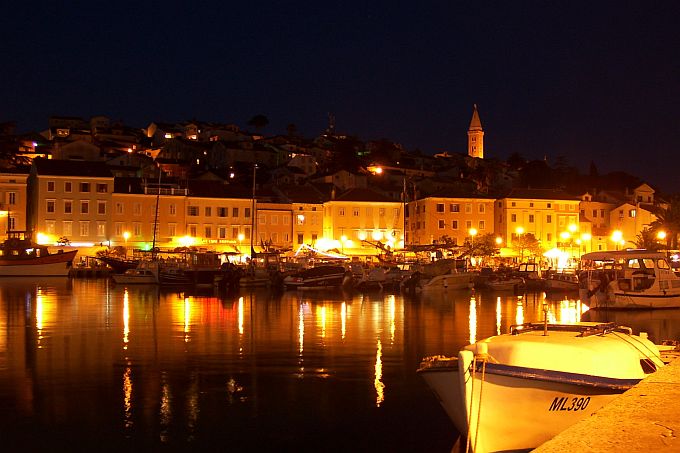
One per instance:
(172,191)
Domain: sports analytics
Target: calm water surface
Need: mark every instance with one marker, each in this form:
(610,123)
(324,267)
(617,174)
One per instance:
(85,364)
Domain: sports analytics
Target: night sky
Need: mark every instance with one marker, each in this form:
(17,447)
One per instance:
(592,81)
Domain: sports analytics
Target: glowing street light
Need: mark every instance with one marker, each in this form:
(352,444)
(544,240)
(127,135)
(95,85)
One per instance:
(473,233)
(126,236)
(617,238)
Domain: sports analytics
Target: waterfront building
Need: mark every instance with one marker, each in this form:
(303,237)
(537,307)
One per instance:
(70,200)
(13,200)
(438,219)
(356,220)
(551,216)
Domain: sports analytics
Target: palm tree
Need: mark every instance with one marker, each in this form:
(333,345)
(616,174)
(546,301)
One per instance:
(646,239)
(668,220)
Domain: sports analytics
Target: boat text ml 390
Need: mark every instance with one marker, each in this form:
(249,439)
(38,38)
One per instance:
(518,390)
(628,279)
(20,256)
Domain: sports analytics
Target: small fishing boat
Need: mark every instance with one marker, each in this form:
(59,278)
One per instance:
(518,390)
(20,256)
(504,283)
(561,282)
(147,273)
(319,277)
(628,279)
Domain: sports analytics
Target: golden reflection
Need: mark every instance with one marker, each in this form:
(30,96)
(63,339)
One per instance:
(192,406)
(379,386)
(187,319)
(232,389)
(165,413)
(473,319)
(393,310)
(498,315)
(126,319)
(321,316)
(343,317)
(301,328)
(519,315)
(127,397)
(570,311)
(240,315)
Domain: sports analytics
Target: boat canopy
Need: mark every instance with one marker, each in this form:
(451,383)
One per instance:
(618,255)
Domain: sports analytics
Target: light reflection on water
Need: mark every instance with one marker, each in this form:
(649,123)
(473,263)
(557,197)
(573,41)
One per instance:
(257,371)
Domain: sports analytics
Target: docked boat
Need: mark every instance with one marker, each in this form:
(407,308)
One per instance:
(518,390)
(117,263)
(147,273)
(441,275)
(561,282)
(20,256)
(319,277)
(504,283)
(628,279)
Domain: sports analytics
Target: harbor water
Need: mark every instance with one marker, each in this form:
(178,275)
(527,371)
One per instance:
(85,364)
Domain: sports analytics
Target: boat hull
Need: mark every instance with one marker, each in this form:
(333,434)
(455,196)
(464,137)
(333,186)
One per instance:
(530,398)
(54,265)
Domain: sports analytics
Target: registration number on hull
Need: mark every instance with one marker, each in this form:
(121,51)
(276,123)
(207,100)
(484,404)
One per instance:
(567,403)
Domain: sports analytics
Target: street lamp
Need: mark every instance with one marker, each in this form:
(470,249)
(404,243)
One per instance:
(343,239)
(520,231)
(617,238)
(126,236)
(473,233)
(661,236)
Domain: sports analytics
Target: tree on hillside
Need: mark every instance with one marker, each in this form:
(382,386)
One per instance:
(345,154)
(258,121)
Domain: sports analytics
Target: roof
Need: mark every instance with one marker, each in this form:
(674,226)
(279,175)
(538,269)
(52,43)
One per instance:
(541,194)
(475,122)
(53,167)
(360,194)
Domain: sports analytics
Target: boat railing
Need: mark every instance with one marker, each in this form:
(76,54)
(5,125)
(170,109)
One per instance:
(585,331)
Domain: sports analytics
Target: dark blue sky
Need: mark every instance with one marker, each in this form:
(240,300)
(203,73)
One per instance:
(588,80)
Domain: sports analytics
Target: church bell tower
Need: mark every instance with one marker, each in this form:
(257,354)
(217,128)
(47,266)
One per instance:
(475,136)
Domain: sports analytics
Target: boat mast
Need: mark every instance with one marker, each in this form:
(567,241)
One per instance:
(252,219)
(155,220)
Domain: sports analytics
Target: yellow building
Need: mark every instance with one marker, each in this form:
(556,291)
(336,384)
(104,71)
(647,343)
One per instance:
(70,199)
(274,224)
(13,200)
(551,216)
(360,215)
(432,219)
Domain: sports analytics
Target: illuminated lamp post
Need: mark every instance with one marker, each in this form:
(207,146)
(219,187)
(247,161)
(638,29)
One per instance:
(617,238)
(585,238)
(520,231)
(661,236)
(241,237)
(126,236)
(343,239)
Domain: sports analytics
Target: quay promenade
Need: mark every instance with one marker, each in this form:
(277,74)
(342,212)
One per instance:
(645,418)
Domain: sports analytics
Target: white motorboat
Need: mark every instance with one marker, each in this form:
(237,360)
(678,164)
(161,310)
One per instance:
(561,282)
(147,273)
(518,390)
(504,283)
(628,279)
(319,277)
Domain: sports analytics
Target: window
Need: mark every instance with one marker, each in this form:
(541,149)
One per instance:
(137,209)
(513,218)
(602,213)
(341,212)
(513,204)
(548,218)
(381,212)
(101,229)
(50,186)
(549,205)
(101,207)
(172,209)
(193,230)
(84,229)
(482,225)
(192,211)
(234,232)
(85,187)
(468,224)
(261,219)
(137,229)
(454,224)
(482,208)
(300,219)
(583,212)
(11,198)
(632,213)
(286,220)
(102,188)
(314,236)
(208,211)
(468,208)
(531,204)
(222,232)
(118,229)
(369,211)
(273,219)
(119,208)
(172,229)
(68,207)
(440,207)
(246,212)
(50,226)
(531,218)
(208,232)
(355,212)
(594,213)
(222,212)
(67,187)
(246,232)
(441,224)
(67,228)
(300,238)
(234,212)
(549,237)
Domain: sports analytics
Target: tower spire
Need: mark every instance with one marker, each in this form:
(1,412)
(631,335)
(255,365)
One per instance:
(475,135)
